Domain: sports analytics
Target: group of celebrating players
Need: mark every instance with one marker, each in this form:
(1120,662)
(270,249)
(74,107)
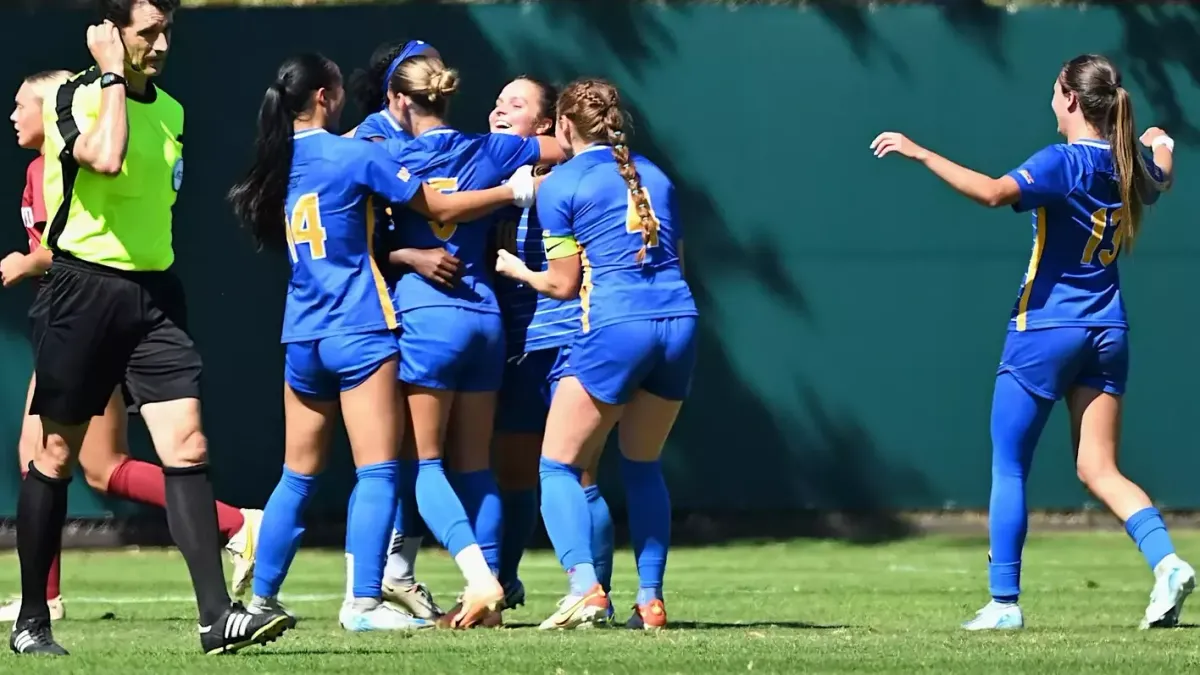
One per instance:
(481,325)
(431,302)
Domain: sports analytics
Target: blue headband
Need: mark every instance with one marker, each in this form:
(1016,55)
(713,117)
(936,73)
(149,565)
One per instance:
(411,48)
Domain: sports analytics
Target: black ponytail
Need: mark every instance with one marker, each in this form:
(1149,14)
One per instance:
(259,199)
(366,87)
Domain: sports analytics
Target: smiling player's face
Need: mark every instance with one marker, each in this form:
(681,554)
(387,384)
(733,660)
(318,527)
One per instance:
(516,110)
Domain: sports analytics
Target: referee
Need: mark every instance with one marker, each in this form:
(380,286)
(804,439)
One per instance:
(110,312)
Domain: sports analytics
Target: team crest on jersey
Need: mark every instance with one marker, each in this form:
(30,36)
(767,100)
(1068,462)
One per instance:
(1026,175)
(177,174)
(403,174)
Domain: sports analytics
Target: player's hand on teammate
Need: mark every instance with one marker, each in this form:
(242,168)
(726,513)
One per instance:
(15,267)
(893,141)
(104,41)
(1150,134)
(509,265)
(436,265)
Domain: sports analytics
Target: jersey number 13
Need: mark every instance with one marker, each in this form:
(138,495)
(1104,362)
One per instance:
(1103,221)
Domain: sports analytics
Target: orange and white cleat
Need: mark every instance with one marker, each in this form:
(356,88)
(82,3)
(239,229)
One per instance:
(650,616)
(579,611)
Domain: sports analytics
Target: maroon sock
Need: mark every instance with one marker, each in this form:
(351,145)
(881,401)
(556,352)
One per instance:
(143,482)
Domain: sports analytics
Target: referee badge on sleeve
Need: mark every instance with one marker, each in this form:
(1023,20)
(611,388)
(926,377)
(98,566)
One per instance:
(177,174)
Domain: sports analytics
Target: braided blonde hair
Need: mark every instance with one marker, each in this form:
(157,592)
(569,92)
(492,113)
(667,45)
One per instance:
(594,107)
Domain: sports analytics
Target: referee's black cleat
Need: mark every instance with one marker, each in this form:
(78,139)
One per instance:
(237,629)
(33,636)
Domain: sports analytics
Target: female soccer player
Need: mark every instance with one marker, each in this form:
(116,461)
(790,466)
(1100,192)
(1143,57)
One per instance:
(536,329)
(372,89)
(452,341)
(104,456)
(1068,335)
(608,218)
(309,192)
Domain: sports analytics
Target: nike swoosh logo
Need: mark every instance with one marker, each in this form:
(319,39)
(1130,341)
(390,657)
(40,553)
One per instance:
(553,246)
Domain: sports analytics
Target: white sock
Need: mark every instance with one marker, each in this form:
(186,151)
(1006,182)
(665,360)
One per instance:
(349,579)
(474,568)
(402,560)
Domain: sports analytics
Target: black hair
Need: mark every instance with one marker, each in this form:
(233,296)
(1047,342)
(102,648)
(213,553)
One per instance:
(120,12)
(258,200)
(366,87)
(548,98)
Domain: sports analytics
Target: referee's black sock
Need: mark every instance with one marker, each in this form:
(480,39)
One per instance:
(41,513)
(192,517)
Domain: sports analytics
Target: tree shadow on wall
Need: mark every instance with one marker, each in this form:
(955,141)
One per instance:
(979,25)
(1155,39)
(734,451)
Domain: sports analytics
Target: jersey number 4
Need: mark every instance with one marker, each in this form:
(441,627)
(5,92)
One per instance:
(1102,221)
(304,227)
(443,231)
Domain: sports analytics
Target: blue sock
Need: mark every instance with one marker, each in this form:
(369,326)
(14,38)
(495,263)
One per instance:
(602,536)
(1018,418)
(481,500)
(278,541)
(1147,529)
(565,512)
(649,506)
(441,509)
(350,512)
(520,520)
(406,498)
(371,529)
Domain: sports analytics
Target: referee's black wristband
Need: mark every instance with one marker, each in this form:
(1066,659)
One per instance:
(112,79)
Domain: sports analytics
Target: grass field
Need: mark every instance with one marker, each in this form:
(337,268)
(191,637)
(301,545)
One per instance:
(788,607)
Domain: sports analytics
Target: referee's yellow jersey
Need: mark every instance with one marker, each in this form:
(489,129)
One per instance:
(121,221)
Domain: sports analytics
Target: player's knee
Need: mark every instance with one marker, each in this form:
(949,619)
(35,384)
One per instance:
(54,459)
(191,450)
(1094,472)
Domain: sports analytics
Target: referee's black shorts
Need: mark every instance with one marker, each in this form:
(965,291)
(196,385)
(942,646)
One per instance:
(95,328)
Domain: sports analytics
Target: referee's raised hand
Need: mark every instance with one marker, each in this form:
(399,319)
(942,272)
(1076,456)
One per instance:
(104,41)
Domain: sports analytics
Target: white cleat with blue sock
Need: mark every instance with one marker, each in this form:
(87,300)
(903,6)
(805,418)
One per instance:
(382,617)
(997,616)
(1174,581)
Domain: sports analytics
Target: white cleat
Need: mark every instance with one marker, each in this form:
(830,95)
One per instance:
(1174,581)
(384,616)
(997,616)
(259,605)
(242,548)
(10,611)
(412,598)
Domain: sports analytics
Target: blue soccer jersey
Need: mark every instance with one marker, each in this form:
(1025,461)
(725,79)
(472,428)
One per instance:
(532,322)
(451,161)
(585,205)
(1073,277)
(335,286)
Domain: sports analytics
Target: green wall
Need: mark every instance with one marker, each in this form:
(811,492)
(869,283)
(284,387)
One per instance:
(853,309)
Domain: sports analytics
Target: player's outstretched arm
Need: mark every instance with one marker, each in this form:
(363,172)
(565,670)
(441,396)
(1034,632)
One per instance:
(979,187)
